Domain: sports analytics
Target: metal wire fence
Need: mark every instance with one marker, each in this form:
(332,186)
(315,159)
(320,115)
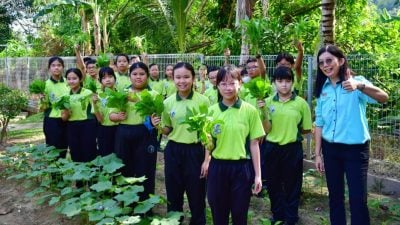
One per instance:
(384,120)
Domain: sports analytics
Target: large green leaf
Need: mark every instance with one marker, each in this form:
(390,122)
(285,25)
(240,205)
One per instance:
(101,186)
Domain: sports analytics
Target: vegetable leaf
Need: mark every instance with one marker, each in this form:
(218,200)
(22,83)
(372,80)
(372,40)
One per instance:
(259,88)
(63,103)
(117,99)
(102,61)
(149,104)
(91,85)
(204,124)
(37,87)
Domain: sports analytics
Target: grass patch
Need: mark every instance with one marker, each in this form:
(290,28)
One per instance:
(27,133)
(35,118)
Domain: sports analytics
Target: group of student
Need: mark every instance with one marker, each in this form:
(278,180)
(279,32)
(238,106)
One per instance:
(259,145)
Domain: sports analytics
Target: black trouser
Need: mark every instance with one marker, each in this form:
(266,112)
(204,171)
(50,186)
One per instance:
(106,139)
(284,174)
(352,161)
(182,174)
(55,132)
(82,140)
(229,190)
(137,148)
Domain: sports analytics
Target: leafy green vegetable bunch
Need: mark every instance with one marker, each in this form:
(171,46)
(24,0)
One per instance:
(259,88)
(91,85)
(204,124)
(63,103)
(149,105)
(116,99)
(37,87)
(102,60)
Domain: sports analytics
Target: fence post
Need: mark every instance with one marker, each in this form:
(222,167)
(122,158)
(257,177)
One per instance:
(309,100)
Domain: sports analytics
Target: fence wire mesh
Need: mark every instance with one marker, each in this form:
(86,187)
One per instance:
(384,120)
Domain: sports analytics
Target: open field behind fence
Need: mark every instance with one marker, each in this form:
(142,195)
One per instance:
(384,120)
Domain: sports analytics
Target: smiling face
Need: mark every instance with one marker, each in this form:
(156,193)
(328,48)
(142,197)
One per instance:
(138,78)
(74,81)
(168,72)
(229,88)
(330,65)
(183,79)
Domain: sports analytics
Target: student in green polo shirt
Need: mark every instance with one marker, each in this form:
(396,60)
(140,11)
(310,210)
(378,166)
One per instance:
(288,117)
(186,161)
(81,123)
(92,75)
(234,168)
(212,92)
(168,83)
(54,128)
(135,143)
(155,82)
(122,73)
(107,128)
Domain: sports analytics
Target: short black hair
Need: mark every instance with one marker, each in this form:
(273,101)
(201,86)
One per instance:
(106,71)
(288,57)
(283,72)
(90,61)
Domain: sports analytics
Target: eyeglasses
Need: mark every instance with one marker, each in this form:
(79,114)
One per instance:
(251,67)
(327,62)
(225,85)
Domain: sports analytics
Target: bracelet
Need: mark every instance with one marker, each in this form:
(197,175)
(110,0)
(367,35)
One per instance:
(361,87)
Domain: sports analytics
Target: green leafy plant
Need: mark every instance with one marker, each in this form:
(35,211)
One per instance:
(37,87)
(204,124)
(63,103)
(102,60)
(259,88)
(254,31)
(116,99)
(225,40)
(149,105)
(91,85)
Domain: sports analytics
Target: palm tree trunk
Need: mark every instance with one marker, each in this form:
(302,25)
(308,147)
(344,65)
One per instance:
(106,42)
(328,21)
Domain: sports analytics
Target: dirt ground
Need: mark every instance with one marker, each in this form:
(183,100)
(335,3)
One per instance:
(17,209)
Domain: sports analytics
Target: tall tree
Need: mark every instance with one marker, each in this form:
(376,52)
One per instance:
(328,21)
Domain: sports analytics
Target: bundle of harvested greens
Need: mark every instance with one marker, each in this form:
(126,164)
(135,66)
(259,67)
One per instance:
(37,87)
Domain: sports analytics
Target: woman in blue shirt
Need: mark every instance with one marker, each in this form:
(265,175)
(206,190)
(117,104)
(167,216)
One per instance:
(342,134)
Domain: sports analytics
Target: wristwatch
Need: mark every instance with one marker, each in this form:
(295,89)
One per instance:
(361,86)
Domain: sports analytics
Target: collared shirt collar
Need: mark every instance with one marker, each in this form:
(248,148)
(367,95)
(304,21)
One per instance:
(56,81)
(154,79)
(327,82)
(276,97)
(223,107)
(190,96)
(78,92)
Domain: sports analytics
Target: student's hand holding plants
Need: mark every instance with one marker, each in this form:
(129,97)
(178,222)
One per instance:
(95,98)
(65,114)
(155,120)
(204,167)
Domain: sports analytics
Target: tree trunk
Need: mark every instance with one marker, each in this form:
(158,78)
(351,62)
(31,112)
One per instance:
(242,15)
(86,48)
(265,6)
(3,132)
(97,34)
(106,42)
(328,21)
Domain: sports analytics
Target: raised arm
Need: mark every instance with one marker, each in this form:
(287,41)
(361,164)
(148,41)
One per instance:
(299,59)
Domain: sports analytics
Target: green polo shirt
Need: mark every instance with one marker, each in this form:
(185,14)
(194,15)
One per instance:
(54,90)
(288,119)
(241,124)
(169,88)
(81,105)
(156,85)
(123,81)
(212,95)
(175,113)
(87,80)
(101,106)
(132,116)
